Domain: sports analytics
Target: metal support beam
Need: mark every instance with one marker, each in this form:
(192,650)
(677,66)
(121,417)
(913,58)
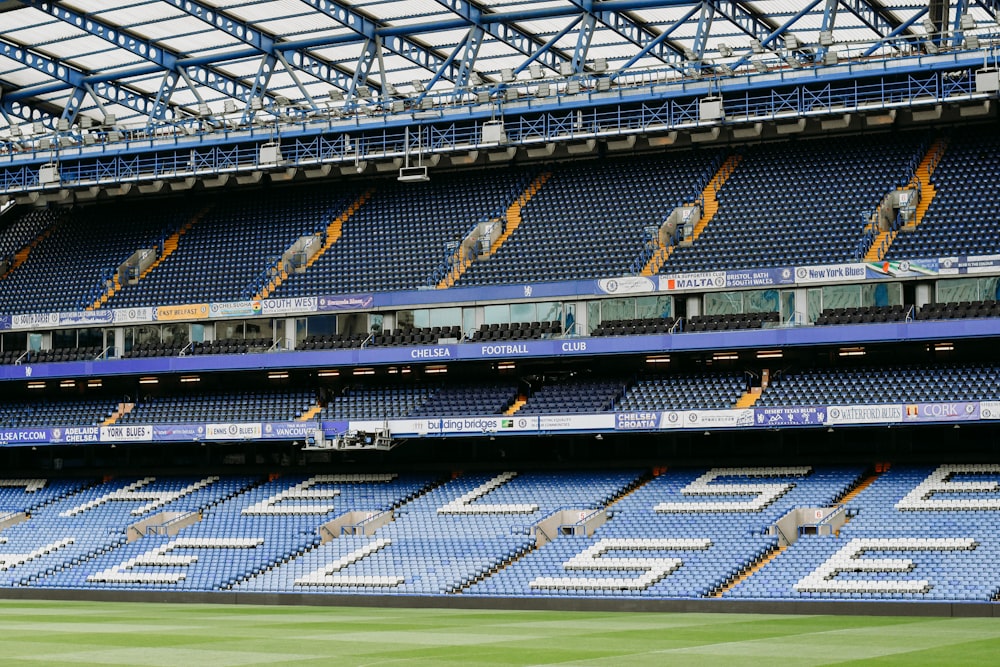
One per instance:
(704,29)
(248,33)
(162,101)
(260,83)
(753,24)
(72,78)
(473,41)
(583,39)
(144,48)
(662,36)
(410,49)
(508,33)
(875,16)
(903,27)
(961,7)
(780,30)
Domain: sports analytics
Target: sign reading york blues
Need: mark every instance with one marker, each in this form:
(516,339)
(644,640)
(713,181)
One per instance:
(798,416)
(133,433)
(936,412)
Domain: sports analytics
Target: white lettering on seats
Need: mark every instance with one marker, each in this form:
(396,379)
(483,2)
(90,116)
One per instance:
(30,485)
(305,491)
(132,493)
(848,559)
(591,559)
(463,504)
(327,575)
(124,573)
(763,494)
(939,481)
(7,561)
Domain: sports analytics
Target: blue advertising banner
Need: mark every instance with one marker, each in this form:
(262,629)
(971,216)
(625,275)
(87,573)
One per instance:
(791,416)
(288,430)
(636,421)
(23,436)
(76,434)
(784,275)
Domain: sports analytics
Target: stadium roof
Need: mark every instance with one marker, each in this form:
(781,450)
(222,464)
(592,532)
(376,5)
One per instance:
(141,62)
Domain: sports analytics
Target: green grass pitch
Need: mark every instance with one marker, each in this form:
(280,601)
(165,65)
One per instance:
(189,635)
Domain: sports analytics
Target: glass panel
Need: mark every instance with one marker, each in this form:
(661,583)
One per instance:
(15,341)
(958,289)
(422,318)
(146,334)
(176,334)
(814,306)
(375,322)
(618,309)
(260,329)
(723,303)
(63,339)
(842,296)
(496,314)
(198,333)
(989,289)
(761,301)
(651,307)
(569,326)
(788,306)
(522,312)
(35,342)
(445,317)
(90,337)
(593,315)
(352,323)
(468,321)
(548,311)
(230,329)
(404,319)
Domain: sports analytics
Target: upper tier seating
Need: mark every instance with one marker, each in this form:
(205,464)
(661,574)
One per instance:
(799,203)
(962,218)
(63,412)
(398,238)
(225,253)
(378,402)
(26,228)
(701,391)
(66,271)
(588,220)
(634,327)
(895,384)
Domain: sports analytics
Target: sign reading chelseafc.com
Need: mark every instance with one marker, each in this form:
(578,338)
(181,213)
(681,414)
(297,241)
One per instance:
(913,562)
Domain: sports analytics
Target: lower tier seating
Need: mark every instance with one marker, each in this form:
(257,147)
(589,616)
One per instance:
(926,533)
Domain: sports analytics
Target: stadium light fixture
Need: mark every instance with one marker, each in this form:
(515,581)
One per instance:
(187,379)
(149,380)
(95,383)
(724,50)
(725,356)
(277,375)
(944,347)
(658,359)
(436,370)
(36,385)
(363,371)
(328,374)
(852,352)
(770,354)
(67,384)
